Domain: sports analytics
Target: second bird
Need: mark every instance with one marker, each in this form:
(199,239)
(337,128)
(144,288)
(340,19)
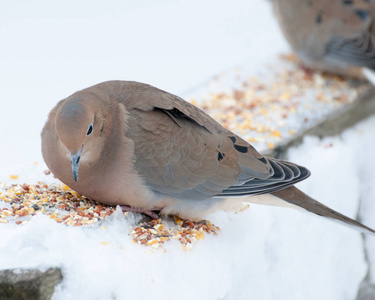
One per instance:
(336,36)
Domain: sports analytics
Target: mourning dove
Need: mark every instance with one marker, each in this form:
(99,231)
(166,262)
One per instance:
(336,36)
(131,144)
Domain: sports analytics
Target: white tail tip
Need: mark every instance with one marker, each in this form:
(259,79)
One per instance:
(369,74)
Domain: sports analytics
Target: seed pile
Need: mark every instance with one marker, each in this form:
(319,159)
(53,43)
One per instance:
(67,207)
(57,201)
(156,232)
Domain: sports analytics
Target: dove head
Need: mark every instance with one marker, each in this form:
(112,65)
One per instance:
(79,124)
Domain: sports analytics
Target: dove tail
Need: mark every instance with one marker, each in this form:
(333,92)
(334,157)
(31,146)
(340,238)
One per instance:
(294,196)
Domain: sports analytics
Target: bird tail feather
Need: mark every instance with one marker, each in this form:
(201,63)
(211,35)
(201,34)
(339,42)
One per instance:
(294,196)
(369,74)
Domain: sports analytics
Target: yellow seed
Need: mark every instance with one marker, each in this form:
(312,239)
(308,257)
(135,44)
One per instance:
(159,226)
(4,198)
(245,207)
(151,242)
(285,96)
(264,111)
(104,243)
(4,221)
(7,213)
(276,133)
(271,145)
(13,177)
(177,220)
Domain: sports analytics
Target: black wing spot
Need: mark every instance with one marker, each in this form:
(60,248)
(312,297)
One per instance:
(241,149)
(362,14)
(319,18)
(177,115)
(220,155)
(233,139)
(347,2)
(263,160)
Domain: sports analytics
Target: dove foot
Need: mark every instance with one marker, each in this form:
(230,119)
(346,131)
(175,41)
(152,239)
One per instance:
(308,72)
(149,212)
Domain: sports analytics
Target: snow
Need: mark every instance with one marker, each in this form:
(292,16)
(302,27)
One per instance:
(52,50)
(262,253)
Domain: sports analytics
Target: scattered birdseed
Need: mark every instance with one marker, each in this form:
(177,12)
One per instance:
(57,201)
(67,207)
(158,231)
(277,103)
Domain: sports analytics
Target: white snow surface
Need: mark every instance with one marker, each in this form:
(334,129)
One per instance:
(261,253)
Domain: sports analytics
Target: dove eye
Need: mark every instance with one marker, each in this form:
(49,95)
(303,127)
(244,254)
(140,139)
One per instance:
(89,130)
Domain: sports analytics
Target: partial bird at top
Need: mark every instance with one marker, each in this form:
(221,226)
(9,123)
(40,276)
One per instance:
(131,144)
(336,36)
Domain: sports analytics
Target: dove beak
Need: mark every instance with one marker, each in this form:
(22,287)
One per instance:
(74,160)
